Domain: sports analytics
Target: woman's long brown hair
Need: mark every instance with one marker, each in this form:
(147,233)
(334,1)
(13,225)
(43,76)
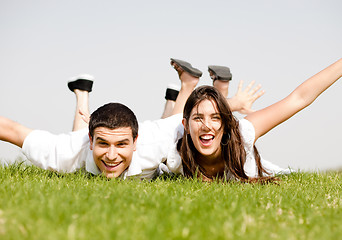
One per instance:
(232,144)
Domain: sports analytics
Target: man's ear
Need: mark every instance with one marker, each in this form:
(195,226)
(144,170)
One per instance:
(90,142)
(185,125)
(135,143)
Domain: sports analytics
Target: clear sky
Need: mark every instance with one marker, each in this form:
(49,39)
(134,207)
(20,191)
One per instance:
(127,45)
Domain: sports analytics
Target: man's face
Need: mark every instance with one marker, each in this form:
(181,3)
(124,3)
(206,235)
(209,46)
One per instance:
(112,149)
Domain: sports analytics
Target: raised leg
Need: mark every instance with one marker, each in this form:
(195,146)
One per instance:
(171,94)
(221,77)
(168,108)
(222,86)
(81,86)
(189,80)
(82,104)
(189,77)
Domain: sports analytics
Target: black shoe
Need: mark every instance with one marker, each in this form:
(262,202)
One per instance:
(187,67)
(82,82)
(171,92)
(220,73)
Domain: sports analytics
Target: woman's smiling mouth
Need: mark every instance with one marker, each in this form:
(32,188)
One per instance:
(206,139)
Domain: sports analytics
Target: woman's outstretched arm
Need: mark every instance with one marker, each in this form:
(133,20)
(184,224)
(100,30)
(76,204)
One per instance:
(266,119)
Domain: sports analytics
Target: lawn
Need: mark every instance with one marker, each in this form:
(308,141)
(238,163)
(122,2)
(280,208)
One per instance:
(38,204)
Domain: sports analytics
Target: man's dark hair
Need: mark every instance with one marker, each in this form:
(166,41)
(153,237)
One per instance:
(112,116)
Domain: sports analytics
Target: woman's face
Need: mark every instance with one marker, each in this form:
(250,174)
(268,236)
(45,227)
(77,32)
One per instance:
(205,129)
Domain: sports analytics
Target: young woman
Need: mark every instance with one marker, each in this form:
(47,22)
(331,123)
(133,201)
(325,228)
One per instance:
(216,145)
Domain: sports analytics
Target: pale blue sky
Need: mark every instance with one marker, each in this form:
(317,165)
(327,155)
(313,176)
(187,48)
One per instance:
(126,45)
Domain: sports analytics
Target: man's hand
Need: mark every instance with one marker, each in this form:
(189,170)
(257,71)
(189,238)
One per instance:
(244,99)
(85,116)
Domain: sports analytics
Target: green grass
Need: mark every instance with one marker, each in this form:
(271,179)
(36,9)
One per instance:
(37,204)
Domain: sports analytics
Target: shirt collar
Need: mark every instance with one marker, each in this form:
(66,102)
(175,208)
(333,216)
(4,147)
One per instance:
(134,168)
(90,164)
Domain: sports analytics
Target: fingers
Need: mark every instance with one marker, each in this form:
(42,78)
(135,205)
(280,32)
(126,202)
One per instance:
(81,112)
(85,116)
(240,86)
(85,119)
(254,90)
(258,95)
(250,85)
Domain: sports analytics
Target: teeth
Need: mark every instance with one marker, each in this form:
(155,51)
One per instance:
(207,137)
(112,164)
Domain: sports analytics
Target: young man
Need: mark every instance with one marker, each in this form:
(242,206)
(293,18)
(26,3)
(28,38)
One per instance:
(70,152)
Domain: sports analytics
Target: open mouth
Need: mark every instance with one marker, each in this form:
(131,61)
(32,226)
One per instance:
(206,139)
(111,166)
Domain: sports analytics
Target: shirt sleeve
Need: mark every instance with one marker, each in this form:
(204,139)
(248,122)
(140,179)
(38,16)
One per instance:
(250,167)
(248,134)
(61,153)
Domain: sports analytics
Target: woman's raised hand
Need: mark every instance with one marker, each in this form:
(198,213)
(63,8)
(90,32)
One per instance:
(244,98)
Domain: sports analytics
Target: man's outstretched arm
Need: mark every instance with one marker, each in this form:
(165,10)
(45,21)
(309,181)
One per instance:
(13,132)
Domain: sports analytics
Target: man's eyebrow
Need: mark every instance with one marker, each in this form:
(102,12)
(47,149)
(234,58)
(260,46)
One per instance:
(104,140)
(123,140)
(101,139)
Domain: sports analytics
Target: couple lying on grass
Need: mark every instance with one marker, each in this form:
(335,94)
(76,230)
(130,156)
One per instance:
(205,141)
